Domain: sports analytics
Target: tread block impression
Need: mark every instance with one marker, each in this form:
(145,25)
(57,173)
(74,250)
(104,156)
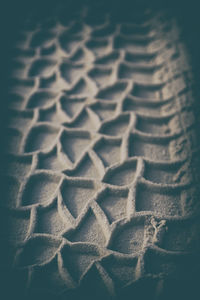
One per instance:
(100,178)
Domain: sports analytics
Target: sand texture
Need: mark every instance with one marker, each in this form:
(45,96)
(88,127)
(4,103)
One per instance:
(100,195)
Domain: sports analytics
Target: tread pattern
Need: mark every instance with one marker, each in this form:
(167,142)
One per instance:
(99,180)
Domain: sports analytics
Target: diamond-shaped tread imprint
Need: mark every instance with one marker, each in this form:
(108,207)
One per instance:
(99,195)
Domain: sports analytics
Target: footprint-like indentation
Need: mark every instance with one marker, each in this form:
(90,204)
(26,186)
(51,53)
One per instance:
(76,195)
(101,76)
(108,151)
(129,238)
(116,126)
(42,67)
(113,203)
(120,269)
(108,59)
(38,250)
(163,202)
(113,92)
(40,188)
(50,161)
(151,92)
(104,110)
(41,137)
(41,99)
(99,47)
(70,43)
(123,174)
(151,149)
(165,173)
(71,72)
(84,169)
(138,74)
(42,38)
(49,221)
(88,230)
(75,143)
(72,107)
(154,126)
(77,260)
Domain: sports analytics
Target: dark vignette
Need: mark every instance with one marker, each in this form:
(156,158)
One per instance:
(12,16)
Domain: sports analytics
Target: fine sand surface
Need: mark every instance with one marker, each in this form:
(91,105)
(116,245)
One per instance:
(100,196)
